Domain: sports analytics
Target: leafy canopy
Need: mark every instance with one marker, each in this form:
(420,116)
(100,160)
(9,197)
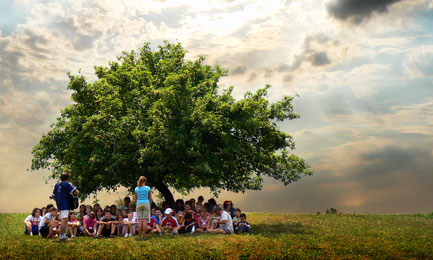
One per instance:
(154,113)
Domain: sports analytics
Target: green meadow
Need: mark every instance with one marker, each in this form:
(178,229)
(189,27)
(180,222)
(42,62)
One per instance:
(277,236)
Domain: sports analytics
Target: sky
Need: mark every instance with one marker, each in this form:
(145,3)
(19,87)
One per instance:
(363,71)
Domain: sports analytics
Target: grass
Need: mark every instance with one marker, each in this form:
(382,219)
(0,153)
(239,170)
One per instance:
(277,236)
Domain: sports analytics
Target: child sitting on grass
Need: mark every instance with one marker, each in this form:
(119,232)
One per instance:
(237,217)
(73,224)
(169,224)
(107,225)
(151,226)
(49,223)
(203,221)
(129,224)
(243,225)
(89,224)
(188,225)
(32,222)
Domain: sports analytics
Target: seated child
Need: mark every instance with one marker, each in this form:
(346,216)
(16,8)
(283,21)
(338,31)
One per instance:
(49,223)
(197,213)
(203,221)
(89,224)
(188,208)
(180,217)
(73,224)
(107,225)
(157,216)
(151,226)
(188,225)
(129,224)
(237,217)
(243,225)
(169,223)
(32,222)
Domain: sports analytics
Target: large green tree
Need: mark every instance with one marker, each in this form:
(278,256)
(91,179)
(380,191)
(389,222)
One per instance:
(156,114)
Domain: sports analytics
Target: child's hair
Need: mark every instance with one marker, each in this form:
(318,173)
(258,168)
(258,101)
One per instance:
(187,216)
(42,210)
(127,198)
(34,211)
(64,176)
(107,211)
(212,201)
(243,215)
(70,214)
(203,209)
(200,197)
(165,204)
(238,210)
(207,206)
(189,203)
(124,210)
(157,208)
(141,180)
(49,206)
(192,200)
(53,209)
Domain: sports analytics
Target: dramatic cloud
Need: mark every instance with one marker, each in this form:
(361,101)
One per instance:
(356,11)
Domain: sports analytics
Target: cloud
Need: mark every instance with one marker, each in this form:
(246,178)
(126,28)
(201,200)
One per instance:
(239,70)
(356,11)
(419,62)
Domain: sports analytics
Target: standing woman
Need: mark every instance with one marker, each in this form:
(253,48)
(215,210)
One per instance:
(143,200)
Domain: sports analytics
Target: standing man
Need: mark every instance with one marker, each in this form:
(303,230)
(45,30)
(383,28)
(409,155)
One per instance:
(61,195)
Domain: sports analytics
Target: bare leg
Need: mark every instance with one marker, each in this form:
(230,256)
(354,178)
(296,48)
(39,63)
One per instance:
(29,228)
(63,225)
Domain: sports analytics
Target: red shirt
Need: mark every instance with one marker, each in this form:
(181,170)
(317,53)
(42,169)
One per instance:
(150,224)
(169,222)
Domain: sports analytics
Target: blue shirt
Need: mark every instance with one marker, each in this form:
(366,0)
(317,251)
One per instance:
(156,219)
(61,191)
(142,194)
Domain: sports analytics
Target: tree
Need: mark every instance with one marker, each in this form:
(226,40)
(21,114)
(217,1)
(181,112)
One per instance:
(154,113)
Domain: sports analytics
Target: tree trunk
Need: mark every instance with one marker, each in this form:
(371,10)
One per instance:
(163,189)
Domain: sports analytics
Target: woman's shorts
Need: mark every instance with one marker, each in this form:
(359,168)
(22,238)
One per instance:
(143,211)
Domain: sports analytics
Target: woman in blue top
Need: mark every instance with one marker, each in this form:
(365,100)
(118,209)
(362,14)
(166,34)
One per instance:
(143,200)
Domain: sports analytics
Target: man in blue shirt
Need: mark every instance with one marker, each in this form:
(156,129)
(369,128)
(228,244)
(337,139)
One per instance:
(61,195)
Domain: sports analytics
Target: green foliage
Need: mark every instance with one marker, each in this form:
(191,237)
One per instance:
(277,236)
(331,211)
(154,113)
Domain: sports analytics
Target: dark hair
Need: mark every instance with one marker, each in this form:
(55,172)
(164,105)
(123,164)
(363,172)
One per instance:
(188,203)
(212,201)
(42,210)
(70,214)
(243,215)
(187,216)
(64,176)
(238,209)
(179,205)
(49,206)
(107,210)
(34,211)
(53,209)
(207,206)
(200,198)
(127,198)
(157,208)
(192,200)
(216,208)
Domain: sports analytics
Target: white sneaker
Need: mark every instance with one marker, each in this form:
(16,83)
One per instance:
(126,234)
(129,235)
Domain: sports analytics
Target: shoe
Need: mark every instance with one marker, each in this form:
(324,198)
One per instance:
(112,236)
(96,236)
(126,235)
(130,235)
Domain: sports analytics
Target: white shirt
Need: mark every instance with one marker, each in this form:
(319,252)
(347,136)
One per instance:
(48,217)
(229,224)
(34,220)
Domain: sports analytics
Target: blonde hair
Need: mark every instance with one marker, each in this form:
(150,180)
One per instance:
(141,180)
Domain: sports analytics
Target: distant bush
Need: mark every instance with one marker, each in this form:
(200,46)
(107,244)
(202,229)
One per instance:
(331,211)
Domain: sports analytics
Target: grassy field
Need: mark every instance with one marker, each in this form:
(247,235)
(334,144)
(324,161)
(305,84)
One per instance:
(276,236)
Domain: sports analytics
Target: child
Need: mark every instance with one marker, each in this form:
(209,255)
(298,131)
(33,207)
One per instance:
(237,217)
(129,224)
(188,208)
(158,216)
(73,224)
(151,226)
(169,223)
(188,225)
(32,222)
(203,221)
(121,226)
(89,224)
(107,225)
(180,217)
(81,213)
(198,209)
(243,225)
(48,224)
(200,200)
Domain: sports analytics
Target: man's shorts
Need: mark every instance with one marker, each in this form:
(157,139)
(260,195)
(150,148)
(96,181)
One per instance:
(228,231)
(143,211)
(64,213)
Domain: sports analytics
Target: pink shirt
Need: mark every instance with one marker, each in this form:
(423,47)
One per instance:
(90,223)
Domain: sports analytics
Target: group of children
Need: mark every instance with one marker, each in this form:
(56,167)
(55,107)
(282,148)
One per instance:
(184,217)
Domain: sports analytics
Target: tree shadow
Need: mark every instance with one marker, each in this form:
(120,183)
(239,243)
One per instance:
(280,228)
